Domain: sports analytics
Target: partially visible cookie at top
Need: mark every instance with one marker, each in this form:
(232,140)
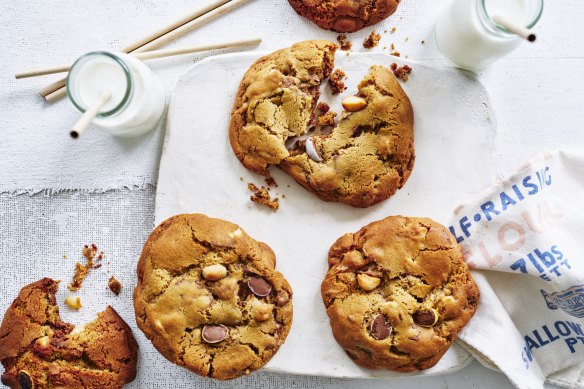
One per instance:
(209,297)
(364,159)
(345,15)
(39,350)
(397,293)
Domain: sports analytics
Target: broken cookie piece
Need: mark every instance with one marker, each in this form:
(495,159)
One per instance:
(262,196)
(336,81)
(372,40)
(39,350)
(344,42)
(328,119)
(92,261)
(401,72)
(114,285)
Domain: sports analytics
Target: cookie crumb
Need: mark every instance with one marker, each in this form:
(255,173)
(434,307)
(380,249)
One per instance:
(271,182)
(323,107)
(240,178)
(393,29)
(328,119)
(423,42)
(261,196)
(345,44)
(372,40)
(114,285)
(401,72)
(395,53)
(81,271)
(336,81)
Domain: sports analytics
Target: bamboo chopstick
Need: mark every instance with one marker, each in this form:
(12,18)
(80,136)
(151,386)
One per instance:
(57,89)
(148,55)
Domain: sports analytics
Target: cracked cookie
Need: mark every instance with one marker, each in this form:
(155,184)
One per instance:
(397,293)
(363,160)
(344,15)
(39,350)
(209,297)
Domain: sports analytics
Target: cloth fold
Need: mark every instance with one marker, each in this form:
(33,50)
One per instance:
(522,240)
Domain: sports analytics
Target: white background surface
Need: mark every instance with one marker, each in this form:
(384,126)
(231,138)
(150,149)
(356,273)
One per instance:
(537,94)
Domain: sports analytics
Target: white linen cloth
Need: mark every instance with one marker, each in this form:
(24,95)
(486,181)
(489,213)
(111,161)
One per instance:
(522,237)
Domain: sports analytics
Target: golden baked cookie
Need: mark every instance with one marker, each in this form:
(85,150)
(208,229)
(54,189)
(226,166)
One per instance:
(361,161)
(345,15)
(209,297)
(397,293)
(39,350)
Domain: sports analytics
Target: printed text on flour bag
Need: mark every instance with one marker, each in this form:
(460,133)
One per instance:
(545,262)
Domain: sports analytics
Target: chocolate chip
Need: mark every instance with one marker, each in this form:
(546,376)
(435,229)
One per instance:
(259,286)
(425,318)
(380,328)
(214,333)
(25,380)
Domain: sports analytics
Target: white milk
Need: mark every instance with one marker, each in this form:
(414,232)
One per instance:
(137,100)
(467,35)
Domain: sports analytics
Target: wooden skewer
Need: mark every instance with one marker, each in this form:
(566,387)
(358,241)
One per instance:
(57,90)
(85,119)
(148,55)
(515,28)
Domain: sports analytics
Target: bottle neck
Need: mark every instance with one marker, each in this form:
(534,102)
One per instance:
(84,74)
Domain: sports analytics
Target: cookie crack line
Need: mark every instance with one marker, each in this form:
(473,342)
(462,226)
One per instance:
(390,113)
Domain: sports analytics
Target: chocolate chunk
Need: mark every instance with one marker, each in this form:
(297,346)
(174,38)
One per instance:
(214,333)
(425,318)
(25,380)
(380,328)
(259,286)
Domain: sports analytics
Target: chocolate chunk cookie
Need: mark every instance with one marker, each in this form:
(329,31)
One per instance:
(345,15)
(397,293)
(209,297)
(365,158)
(39,350)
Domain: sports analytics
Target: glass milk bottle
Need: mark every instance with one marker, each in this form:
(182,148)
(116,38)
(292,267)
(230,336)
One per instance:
(137,95)
(467,34)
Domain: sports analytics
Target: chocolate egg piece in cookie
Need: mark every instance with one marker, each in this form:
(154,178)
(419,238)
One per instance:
(344,15)
(367,156)
(425,295)
(39,350)
(209,297)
